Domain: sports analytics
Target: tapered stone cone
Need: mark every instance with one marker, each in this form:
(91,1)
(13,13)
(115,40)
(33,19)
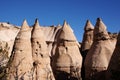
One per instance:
(100,32)
(88,36)
(98,57)
(20,64)
(40,54)
(67,60)
(67,33)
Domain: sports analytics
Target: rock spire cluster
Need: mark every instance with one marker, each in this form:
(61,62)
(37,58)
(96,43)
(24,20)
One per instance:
(53,52)
(30,58)
(98,57)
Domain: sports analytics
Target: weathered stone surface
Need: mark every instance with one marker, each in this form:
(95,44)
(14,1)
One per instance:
(20,64)
(99,55)
(86,43)
(50,34)
(113,37)
(56,45)
(8,33)
(67,60)
(113,72)
(67,33)
(42,68)
(88,36)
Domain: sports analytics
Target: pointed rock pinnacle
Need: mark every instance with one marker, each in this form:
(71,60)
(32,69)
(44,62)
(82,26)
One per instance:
(37,32)
(36,25)
(67,33)
(88,26)
(24,25)
(100,26)
(100,32)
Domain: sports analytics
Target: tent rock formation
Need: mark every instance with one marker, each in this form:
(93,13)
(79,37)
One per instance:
(99,55)
(67,60)
(21,63)
(42,68)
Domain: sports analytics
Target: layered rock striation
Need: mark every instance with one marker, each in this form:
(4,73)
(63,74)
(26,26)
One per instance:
(53,53)
(67,60)
(20,64)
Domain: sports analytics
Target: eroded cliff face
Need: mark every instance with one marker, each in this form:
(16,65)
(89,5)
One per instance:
(53,53)
(34,50)
(113,70)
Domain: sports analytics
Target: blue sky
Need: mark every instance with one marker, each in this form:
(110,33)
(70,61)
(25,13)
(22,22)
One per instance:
(54,12)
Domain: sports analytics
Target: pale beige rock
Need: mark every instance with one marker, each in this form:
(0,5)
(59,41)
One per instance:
(99,55)
(100,32)
(50,34)
(8,33)
(20,64)
(4,54)
(88,36)
(114,66)
(67,59)
(42,68)
(67,33)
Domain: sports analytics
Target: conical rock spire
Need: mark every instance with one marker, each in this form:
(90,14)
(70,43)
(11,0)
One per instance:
(67,33)
(23,33)
(67,57)
(37,32)
(100,31)
(20,63)
(88,36)
(98,57)
(40,54)
(24,25)
(36,25)
(88,26)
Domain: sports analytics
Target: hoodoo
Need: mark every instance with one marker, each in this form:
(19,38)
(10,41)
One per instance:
(86,43)
(20,63)
(67,60)
(88,36)
(99,55)
(41,64)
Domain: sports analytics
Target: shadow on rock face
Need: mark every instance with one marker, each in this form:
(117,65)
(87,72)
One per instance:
(61,75)
(98,76)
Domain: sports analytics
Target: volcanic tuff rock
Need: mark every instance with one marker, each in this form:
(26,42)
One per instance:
(99,55)
(86,43)
(88,36)
(34,50)
(20,64)
(113,72)
(42,68)
(67,60)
